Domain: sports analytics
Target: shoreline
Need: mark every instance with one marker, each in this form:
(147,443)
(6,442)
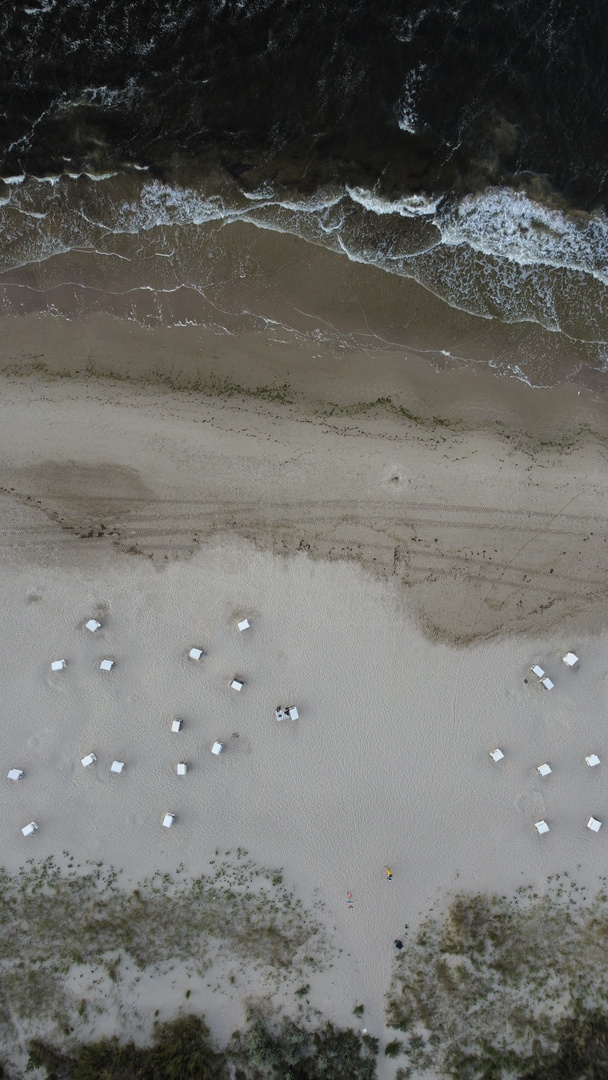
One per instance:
(395,381)
(242,299)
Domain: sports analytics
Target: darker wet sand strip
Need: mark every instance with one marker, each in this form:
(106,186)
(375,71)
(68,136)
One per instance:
(483,534)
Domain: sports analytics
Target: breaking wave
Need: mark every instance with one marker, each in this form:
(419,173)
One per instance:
(462,145)
(495,255)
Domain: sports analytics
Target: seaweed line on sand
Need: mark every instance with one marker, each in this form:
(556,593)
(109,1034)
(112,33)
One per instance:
(217,386)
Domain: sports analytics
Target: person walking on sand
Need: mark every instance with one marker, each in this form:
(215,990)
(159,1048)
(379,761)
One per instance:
(389,873)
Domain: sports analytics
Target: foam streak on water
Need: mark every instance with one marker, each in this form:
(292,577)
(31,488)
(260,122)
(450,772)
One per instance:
(497,255)
(463,145)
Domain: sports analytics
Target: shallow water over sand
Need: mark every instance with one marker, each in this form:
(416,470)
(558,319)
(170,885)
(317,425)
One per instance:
(496,278)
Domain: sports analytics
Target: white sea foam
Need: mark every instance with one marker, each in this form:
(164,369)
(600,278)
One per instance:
(406,206)
(405,111)
(316,204)
(164,204)
(261,194)
(493,254)
(92,176)
(45,5)
(508,225)
(103,95)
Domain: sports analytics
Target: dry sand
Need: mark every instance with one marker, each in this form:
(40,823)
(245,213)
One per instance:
(388,763)
(172,514)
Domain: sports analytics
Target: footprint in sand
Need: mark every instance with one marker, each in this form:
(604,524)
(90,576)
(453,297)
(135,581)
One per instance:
(531,803)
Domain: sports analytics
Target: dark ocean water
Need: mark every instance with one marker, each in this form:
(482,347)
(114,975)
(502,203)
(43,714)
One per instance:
(461,144)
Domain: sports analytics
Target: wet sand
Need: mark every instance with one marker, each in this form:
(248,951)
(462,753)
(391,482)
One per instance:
(483,533)
(229,296)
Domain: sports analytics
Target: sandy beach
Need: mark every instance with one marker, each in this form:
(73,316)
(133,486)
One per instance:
(304,327)
(400,575)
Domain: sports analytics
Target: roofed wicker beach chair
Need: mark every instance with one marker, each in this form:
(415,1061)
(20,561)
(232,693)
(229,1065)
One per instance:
(168,820)
(541,826)
(58,665)
(544,770)
(195,653)
(496,755)
(14,774)
(217,748)
(592,759)
(570,659)
(594,824)
(88,760)
(117,766)
(244,624)
(29,829)
(93,625)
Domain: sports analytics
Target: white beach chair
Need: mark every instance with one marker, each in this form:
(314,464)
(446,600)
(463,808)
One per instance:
(592,759)
(176,725)
(541,826)
(168,820)
(29,829)
(548,685)
(117,766)
(293,713)
(88,760)
(538,671)
(497,755)
(14,774)
(106,665)
(195,654)
(594,824)
(237,684)
(570,659)
(58,665)
(544,770)
(244,624)
(217,748)
(93,625)
(181,768)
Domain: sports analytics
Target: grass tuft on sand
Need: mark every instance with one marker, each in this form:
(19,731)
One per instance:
(494,987)
(54,920)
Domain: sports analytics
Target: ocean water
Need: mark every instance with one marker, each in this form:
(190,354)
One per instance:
(463,145)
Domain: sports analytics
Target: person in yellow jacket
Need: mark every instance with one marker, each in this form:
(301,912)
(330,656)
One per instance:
(389,873)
